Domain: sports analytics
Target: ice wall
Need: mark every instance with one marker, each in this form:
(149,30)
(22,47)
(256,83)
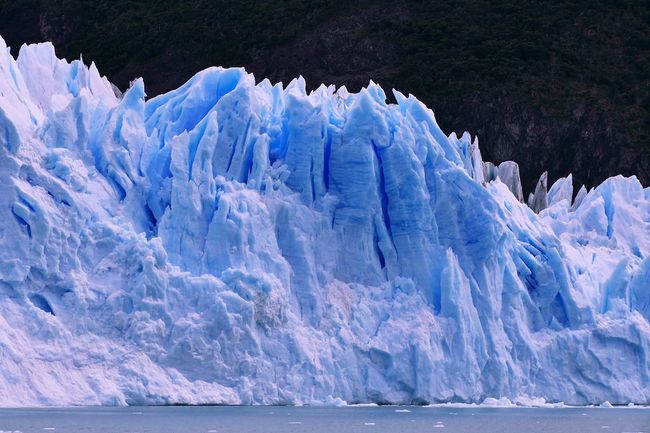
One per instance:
(243,242)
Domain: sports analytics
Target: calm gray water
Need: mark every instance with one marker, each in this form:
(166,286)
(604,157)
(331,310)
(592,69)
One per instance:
(324,420)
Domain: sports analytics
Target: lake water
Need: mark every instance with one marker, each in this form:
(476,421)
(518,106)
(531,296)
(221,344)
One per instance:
(385,419)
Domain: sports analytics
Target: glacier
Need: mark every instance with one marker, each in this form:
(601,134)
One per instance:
(240,242)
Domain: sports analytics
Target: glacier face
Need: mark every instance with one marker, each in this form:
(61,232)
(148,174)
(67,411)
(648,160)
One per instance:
(242,243)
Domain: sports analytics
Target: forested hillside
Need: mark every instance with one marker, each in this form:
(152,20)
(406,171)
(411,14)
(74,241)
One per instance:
(554,85)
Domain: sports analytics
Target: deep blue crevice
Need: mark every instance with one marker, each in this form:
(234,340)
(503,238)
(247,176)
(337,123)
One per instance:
(40,302)
(247,162)
(57,199)
(311,179)
(326,162)
(382,259)
(28,204)
(278,143)
(119,189)
(151,220)
(194,144)
(23,224)
(382,192)
(558,310)
(232,154)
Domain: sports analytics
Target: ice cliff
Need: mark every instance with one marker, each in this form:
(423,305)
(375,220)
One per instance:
(234,242)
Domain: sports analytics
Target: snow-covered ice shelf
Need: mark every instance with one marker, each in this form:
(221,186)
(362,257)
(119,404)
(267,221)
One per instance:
(234,242)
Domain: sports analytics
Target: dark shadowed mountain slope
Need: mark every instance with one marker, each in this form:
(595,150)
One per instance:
(554,85)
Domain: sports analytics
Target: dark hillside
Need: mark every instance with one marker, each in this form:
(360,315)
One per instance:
(557,85)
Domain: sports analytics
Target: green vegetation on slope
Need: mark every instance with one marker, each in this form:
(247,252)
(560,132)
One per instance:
(558,85)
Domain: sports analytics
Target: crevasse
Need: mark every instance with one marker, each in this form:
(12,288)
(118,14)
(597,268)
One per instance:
(242,243)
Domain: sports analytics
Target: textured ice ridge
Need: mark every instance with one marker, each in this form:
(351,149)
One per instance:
(234,242)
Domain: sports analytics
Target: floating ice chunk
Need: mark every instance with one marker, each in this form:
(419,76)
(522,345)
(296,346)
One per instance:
(500,402)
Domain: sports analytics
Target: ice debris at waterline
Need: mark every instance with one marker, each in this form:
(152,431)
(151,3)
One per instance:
(233,242)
